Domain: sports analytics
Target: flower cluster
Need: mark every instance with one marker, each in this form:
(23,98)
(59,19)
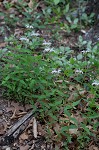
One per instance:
(48,49)
(85,51)
(24,39)
(79,71)
(56,71)
(29,26)
(34,33)
(46,43)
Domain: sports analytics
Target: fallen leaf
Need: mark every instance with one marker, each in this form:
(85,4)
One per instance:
(71,88)
(1,112)
(78,117)
(24,147)
(24,136)
(18,32)
(93,147)
(3,44)
(56,127)
(59,81)
(9,109)
(14,1)
(1,129)
(90,96)
(30,4)
(13,116)
(28,107)
(73,131)
(41,130)
(17,106)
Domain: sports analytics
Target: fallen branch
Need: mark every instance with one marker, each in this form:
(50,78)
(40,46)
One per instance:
(14,132)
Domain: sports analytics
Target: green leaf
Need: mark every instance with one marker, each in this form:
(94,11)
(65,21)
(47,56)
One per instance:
(74,120)
(56,2)
(66,9)
(85,128)
(5,80)
(93,116)
(65,128)
(76,21)
(67,111)
(75,103)
(32,83)
(80,56)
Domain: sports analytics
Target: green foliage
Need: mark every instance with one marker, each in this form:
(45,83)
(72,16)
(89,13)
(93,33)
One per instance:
(57,81)
(34,77)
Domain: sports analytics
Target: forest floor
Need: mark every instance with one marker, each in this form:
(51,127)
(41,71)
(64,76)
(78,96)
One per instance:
(12,111)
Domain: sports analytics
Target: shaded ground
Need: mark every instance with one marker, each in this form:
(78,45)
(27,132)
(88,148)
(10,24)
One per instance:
(10,113)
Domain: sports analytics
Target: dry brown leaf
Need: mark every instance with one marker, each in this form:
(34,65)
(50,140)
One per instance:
(78,117)
(14,1)
(17,106)
(59,81)
(18,32)
(71,88)
(1,112)
(21,113)
(24,136)
(93,147)
(2,131)
(90,96)
(9,109)
(71,98)
(3,44)
(30,4)
(82,93)
(27,147)
(56,127)
(13,116)
(28,107)
(73,131)
(41,130)
(64,120)
(12,10)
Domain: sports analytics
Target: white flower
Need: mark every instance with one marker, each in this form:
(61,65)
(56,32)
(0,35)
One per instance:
(11,42)
(6,38)
(46,43)
(79,71)
(29,26)
(24,39)
(95,83)
(56,71)
(48,49)
(34,34)
(85,51)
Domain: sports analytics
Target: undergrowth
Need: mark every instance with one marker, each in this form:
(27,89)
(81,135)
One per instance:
(60,84)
